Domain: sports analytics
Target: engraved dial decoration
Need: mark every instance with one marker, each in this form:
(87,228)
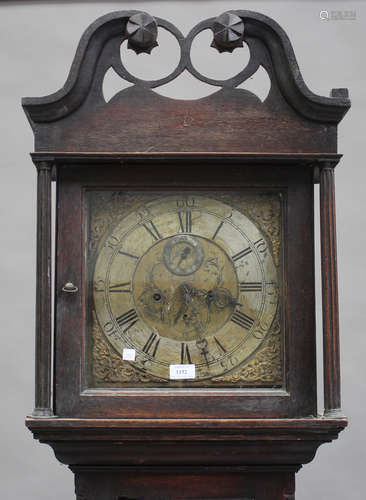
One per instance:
(185,280)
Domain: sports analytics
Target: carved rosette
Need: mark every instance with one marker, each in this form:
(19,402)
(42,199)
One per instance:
(228,30)
(142,31)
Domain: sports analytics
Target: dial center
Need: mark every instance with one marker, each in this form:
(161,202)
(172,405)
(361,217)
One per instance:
(185,287)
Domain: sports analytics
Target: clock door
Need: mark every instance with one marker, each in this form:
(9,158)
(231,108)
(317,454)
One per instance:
(183,295)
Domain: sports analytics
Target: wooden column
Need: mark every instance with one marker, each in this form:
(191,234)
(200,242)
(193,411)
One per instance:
(43,404)
(332,383)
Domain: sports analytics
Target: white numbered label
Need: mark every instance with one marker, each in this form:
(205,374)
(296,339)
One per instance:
(129,354)
(182,371)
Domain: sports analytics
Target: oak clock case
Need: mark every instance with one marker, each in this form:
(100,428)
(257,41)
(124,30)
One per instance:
(185,278)
(184,343)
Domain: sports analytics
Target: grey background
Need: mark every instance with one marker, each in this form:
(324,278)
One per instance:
(37,44)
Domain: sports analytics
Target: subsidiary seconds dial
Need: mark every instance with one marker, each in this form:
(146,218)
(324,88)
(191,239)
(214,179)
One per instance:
(186,280)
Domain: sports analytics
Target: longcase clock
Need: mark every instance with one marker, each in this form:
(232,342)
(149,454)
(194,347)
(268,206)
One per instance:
(182,360)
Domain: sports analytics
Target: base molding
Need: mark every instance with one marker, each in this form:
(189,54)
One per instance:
(253,459)
(183,442)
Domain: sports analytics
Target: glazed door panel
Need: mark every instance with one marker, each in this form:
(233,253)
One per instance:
(225,290)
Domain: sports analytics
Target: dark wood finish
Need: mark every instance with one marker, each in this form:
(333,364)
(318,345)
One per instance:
(189,483)
(332,382)
(299,395)
(150,459)
(186,441)
(69,258)
(161,459)
(43,355)
(307,426)
(153,444)
(291,119)
(311,160)
(157,123)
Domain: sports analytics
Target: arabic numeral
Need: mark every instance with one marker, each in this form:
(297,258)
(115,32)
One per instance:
(229,362)
(111,242)
(110,330)
(186,203)
(99,285)
(260,245)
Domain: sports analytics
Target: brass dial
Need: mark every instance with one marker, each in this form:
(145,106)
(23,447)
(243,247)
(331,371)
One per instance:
(186,280)
(185,299)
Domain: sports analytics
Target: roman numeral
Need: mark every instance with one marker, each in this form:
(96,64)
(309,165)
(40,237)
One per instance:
(127,319)
(152,343)
(185,221)
(151,228)
(128,255)
(184,354)
(241,254)
(250,286)
(218,229)
(120,287)
(219,345)
(242,320)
